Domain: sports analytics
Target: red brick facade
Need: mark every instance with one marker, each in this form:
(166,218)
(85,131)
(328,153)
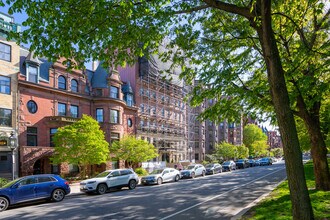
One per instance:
(35,128)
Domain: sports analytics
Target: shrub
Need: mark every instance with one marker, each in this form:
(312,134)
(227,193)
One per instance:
(3,181)
(141,171)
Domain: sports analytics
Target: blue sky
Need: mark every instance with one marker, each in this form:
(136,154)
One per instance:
(19,18)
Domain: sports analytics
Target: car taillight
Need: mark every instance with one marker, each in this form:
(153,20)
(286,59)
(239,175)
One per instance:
(67,183)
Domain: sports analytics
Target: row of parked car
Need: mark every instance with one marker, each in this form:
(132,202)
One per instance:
(54,188)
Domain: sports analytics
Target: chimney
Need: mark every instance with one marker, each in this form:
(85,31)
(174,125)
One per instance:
(95,65)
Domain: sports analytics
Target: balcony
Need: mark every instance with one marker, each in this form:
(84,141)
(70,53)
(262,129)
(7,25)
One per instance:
(61,119)
(8,27)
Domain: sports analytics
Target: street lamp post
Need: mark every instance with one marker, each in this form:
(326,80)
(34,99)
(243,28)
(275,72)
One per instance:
(12,146)
(189,149)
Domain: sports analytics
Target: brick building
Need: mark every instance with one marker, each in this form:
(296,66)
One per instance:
(162,115)
(51,97)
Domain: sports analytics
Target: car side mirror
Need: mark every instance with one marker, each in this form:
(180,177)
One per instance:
(110,176)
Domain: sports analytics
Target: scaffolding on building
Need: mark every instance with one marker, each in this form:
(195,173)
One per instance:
(163,115)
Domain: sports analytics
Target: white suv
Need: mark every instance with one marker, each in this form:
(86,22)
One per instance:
(110,179)
(193,170)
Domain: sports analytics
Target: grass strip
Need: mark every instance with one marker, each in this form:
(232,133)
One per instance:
(277,205)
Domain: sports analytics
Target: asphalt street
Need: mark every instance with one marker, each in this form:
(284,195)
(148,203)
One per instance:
(221,196)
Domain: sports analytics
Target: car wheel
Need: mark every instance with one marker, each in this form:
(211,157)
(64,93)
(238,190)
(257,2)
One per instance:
(203,173)
(132,184)
(58,195)
(101,189)
(4,203)
(159,181)
(177,177)
(192,175)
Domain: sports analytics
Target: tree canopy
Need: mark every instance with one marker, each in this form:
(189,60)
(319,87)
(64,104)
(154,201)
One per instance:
(225,151)
(254,139)
(81,143)
(133,150)
(242,151)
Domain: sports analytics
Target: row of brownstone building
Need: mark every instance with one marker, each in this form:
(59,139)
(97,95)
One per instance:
(37,97)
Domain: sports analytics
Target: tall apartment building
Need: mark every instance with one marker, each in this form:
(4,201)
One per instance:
(9,68)
(51,97)
(162,115)
(208,134)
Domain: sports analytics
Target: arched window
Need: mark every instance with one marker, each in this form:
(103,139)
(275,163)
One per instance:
(61,82)
(74,85)
(129,122)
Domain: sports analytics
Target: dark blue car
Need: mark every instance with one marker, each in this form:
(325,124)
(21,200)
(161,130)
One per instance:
(35,187)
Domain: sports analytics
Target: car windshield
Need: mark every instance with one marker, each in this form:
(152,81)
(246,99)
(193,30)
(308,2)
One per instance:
(103,174)
(209,166)
(240,160)
(191,167)
(157,171)
(11,183)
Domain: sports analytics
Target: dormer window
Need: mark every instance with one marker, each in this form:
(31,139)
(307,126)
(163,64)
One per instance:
(62,82)
(33,74)
(129,99)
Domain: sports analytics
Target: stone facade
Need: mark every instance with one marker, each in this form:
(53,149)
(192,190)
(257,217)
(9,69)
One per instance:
(9,68)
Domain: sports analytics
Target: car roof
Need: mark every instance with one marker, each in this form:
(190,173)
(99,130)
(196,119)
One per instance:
(44,174)
(118,169)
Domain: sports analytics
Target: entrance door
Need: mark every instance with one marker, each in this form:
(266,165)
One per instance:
(38,167)
(5,162)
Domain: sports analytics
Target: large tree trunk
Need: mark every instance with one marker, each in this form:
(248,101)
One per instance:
(318,149)
(301,205)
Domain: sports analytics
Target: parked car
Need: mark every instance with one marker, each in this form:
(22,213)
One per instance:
(193,170)
(242,163)
(160,176)
(213,168)
(229,165)
(252,162)
(266,161)
(257,162)
(35,187)
(108,179)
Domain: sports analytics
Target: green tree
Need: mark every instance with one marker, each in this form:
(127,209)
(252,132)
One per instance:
(237,44)
(304,139)
(278,152)
(133,150)
(259,148)
(242,151)
(226,151)
(81,143)
(251,134)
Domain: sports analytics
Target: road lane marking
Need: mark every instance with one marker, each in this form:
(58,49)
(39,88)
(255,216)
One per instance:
(214,197)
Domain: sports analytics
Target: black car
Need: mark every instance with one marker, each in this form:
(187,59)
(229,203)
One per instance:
(213,168)
(242,163)
(228,165)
